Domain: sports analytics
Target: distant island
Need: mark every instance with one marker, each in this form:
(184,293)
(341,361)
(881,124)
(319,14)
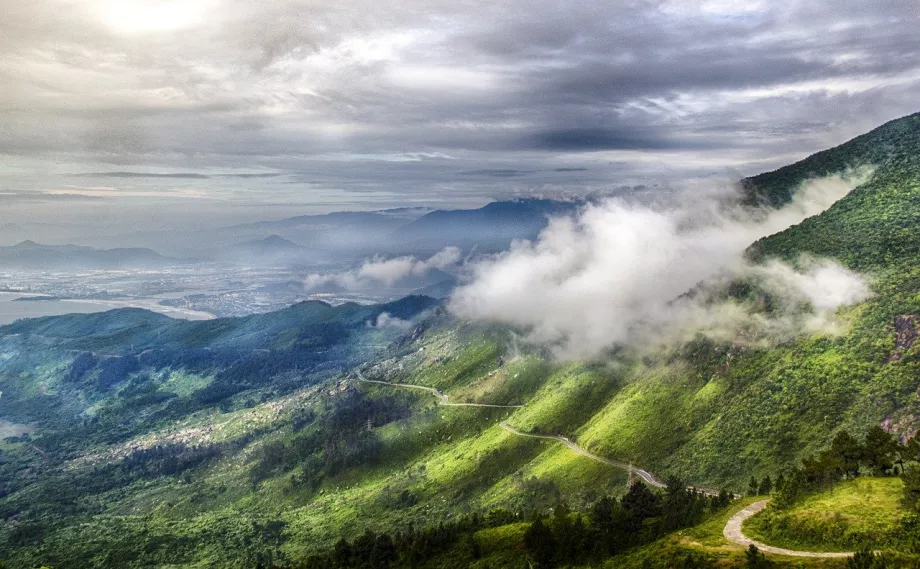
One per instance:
(35,298)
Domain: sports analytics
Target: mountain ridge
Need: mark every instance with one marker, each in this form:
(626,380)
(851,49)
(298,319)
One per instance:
(253,440)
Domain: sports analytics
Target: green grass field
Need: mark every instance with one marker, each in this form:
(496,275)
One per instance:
(851,514)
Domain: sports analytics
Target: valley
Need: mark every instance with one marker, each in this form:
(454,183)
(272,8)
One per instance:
(329,434)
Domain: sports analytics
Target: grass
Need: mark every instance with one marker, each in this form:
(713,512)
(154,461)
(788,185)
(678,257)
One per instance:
(705,542)
(853,513)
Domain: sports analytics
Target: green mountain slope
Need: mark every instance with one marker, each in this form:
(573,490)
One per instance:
(254,440)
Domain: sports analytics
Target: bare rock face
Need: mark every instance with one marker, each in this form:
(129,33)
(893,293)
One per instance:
(905,329)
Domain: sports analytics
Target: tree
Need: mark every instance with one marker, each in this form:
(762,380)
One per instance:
(880,450)
(342,554)
(753,487)
(911,496)
(639,504)
(602,522)
(780,482)
(754,558)
(679,505)
(766,486)
(845,454)
(540,543)
(866,559)
(912,448)
(384,552)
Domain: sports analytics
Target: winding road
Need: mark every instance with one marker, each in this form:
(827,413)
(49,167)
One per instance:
(732,532)
(648,477)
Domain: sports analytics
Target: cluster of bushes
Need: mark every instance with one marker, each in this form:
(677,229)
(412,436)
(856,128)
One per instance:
(613,526)
(170,459)
(411,547)
(340,440)
(565,538)
(879,453)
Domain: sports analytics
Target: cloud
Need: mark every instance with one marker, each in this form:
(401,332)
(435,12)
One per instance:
(618,273)
(606,92)
(388,272)
(45,197)
(175,175)
(444,258)
(387,320)
(178,175)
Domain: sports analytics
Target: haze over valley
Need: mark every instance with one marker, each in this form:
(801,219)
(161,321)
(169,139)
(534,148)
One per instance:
(438,285)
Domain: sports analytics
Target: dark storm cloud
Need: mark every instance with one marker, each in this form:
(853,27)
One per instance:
(438,100)
(590,139)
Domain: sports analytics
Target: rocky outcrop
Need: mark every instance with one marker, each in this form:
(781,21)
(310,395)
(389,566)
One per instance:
(905,329)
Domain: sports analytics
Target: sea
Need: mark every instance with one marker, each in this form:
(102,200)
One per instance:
(12,310)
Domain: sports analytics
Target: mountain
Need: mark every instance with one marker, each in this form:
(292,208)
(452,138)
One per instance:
(389,219)
(270,250)
(440,289)
(31,255)
(396,435)
(891,148)
(492,226)
(332,235)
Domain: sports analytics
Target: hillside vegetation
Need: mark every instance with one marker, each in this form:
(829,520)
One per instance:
(246,441)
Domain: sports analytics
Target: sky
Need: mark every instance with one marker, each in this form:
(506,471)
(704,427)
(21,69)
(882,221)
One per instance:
(158,114)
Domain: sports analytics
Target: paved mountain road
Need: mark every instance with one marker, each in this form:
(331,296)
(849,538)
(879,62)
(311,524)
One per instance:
(648,477)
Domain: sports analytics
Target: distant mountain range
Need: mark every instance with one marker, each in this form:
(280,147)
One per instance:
(295,435)
(311,239)
(491,227)
(414,231)
(273,249)
(31,255)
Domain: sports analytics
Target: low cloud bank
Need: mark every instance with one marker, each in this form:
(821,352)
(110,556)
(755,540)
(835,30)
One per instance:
(387,320)
(619,274)
(378,270)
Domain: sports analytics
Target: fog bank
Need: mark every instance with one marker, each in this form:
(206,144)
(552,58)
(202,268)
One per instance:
(617,274)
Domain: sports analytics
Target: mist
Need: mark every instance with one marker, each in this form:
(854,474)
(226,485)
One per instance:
(381,271)
(618,273)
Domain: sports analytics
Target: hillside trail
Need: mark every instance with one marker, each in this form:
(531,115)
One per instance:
(733,533)
(648,477)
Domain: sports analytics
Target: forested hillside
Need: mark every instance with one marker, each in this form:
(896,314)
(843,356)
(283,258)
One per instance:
(283,439)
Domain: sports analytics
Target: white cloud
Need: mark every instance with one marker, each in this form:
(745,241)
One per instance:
(387,320)
(616,273)
(387,272)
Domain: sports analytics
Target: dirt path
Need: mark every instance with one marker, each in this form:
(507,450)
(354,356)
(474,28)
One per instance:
(442,398)
(732,532)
